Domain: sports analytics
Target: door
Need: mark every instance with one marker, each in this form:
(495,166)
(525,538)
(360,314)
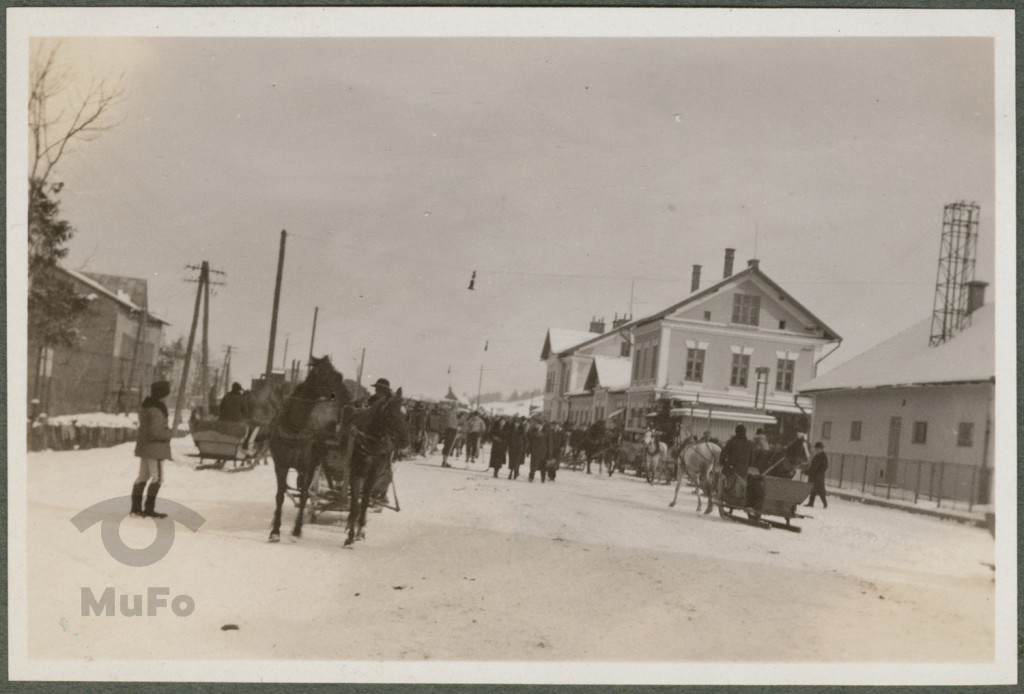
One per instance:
(893,452)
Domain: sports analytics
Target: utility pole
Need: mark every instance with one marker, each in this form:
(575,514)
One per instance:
(277,302)
(284,357)
(182,389)
(227,369)
(206,336)
(312,338)
(359,374)
(479,385)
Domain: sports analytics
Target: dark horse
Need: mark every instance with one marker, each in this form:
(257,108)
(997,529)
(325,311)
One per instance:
(299,432)
(378,431)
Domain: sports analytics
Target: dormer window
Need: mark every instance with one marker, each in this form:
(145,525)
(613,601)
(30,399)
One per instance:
(746,309)
(782,325)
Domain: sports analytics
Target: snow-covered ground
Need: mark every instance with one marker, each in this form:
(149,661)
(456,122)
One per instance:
(474,568)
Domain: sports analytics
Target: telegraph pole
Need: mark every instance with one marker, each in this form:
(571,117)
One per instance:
(479,385)
(312,338)
(227,369)
(359,374)
(188,358)
(206,332)
(139,340)
(277,302)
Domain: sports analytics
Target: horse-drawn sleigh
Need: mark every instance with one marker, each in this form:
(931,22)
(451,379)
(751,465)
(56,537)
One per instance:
(768,491)
(220,443)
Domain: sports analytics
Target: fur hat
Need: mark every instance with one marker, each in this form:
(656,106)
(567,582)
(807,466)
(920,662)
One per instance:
(160,389)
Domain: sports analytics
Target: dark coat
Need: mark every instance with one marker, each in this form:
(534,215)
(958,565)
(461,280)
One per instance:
(154,438)
(516,441)
(233,407)
(816,470)
(499,446)
(540,447)
(737,455)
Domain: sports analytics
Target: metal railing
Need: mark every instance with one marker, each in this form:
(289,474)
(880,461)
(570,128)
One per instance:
(942,484)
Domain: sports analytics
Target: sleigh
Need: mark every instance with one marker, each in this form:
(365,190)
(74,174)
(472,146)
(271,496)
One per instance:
(763,500)
(221,443)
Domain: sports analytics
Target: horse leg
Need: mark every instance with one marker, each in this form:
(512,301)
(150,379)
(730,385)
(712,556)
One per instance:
(282,482)
(355,493)
(708,488)
(679,481)
(304,481)
(364,502)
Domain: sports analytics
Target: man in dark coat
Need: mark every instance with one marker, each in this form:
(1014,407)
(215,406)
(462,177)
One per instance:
(539,448)
(816,474)
(516,439)
(153,446)
(736,458)
(233,407)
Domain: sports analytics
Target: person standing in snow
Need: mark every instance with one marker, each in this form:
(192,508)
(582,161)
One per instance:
(816,475)
(499,445)
(152,447)
(516,439)
(539,440)
(451,431)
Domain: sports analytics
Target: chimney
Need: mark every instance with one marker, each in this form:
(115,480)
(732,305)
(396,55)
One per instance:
(695,282)
(729,254)
(975,295)
(753,262)
(619,322)
(596,326)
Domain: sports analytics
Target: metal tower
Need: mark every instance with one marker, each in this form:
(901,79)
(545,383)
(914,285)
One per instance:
(956,268)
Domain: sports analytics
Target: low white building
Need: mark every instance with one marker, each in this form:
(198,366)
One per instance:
(908,417)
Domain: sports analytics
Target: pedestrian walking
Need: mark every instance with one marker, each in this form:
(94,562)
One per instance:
(153,446)
(516,439)
(816,475)
(499,446)
(540,449)
(451,431)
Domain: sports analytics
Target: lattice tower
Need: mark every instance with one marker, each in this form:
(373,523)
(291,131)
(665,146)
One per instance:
(956,268)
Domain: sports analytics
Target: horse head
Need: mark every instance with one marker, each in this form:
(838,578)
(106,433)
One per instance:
(324,381)
(387,420)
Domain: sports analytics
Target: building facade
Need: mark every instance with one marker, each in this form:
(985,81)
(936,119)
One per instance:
(734,352)
(115,357)
(907,415)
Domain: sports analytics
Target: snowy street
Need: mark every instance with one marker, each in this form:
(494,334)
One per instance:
(474,568)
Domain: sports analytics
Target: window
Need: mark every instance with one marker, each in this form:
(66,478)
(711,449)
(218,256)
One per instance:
(855,431)
(920,433)
(654,361)
(740,369)
(782,325)
(784,369)
(707,315)
(549,387)
(624,349)
(695,365)
(965,434)
(826,430)
(636,364)
(746,309)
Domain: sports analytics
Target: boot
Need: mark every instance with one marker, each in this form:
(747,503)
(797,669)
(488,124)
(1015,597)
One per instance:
(137,498)
(154,488)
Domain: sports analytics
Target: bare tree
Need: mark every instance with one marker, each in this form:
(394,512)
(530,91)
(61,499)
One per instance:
(61,111)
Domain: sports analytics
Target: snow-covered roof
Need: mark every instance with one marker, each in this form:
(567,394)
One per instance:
(611,372)
(120,296)
(560,339)
(907,360)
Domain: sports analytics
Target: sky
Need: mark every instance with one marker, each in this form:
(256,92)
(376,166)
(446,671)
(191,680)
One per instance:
(578,177)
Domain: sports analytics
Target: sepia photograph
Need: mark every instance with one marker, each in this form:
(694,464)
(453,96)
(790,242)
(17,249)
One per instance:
(511,345)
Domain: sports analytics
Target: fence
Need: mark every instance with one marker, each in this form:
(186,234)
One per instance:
(69,437)
(946,485)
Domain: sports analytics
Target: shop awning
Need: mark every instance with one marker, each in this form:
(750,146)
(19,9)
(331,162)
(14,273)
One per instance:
(724,415)
(615,414)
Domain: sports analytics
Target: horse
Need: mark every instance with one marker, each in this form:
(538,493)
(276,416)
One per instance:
(699,461)
(782,461)
(299,432)
(655,456)
(379,432)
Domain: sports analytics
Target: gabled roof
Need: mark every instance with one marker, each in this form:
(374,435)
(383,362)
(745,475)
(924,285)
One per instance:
(751,271)
(907,360)
(560,339)
(609,372)
(121,292)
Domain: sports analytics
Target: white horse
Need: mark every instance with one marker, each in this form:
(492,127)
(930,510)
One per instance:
(699,461)
(655,456)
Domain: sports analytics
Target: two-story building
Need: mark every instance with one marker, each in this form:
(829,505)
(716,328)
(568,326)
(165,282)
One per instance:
(111,350)
(733,353)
